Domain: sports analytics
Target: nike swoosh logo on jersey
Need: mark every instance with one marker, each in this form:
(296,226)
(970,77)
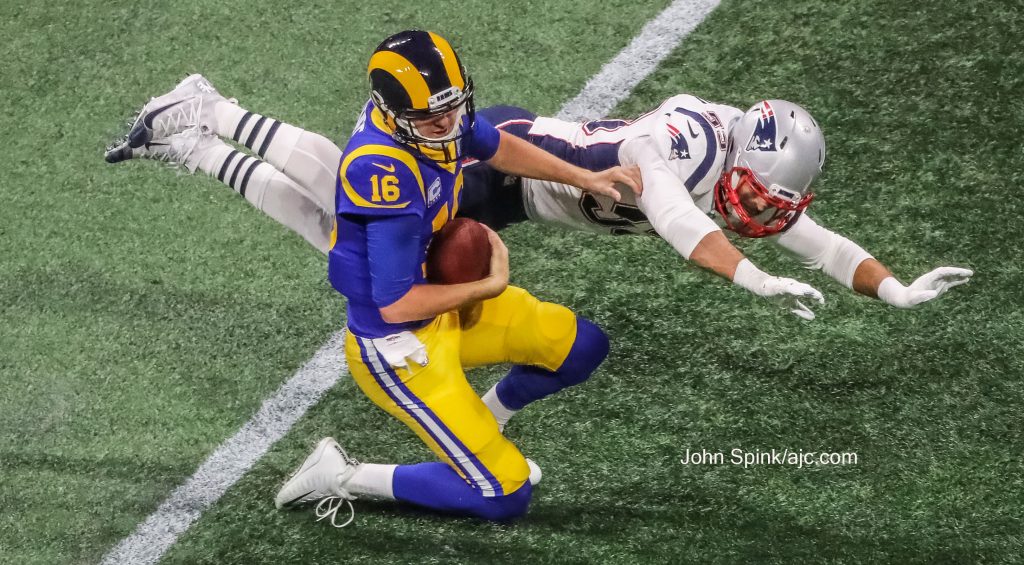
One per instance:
(689,126)
(148,120)
(390,169)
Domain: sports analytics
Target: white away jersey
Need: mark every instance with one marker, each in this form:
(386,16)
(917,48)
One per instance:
(685,134)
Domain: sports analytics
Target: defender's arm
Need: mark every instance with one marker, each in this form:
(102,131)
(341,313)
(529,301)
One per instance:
(855,268)
(519,157)
(668,206)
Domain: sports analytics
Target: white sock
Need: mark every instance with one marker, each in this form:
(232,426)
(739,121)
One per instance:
(373,480)
(308,158)
(270,191)
(501,412)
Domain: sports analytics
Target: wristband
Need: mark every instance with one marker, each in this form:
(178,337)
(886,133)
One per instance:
(891,291)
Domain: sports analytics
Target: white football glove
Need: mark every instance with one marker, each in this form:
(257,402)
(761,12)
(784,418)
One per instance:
(928,286)
(396,348)
(785,292)
(788,293)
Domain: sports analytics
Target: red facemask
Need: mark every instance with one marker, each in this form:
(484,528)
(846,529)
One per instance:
(779,213)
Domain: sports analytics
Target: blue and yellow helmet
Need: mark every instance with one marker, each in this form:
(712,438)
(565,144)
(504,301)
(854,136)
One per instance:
(416,75)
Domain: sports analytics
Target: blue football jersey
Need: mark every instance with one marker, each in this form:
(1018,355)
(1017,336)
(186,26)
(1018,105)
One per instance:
(380,178)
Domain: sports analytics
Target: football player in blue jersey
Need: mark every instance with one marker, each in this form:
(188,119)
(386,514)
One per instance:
(399,180)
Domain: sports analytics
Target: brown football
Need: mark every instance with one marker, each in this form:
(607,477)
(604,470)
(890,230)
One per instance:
(460,252)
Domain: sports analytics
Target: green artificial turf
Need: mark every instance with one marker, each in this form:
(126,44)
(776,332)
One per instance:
(146,315)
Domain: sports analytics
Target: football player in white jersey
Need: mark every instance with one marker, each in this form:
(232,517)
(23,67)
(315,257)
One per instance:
(706,168)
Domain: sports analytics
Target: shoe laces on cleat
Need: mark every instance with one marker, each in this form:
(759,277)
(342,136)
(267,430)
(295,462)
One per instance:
(328,508)
(179,118)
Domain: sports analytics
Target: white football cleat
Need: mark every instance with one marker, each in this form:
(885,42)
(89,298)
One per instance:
(186,148)
(535,474)
(190,104)
(322,476)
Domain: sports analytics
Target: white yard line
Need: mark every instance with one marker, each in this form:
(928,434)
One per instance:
(233,458)
(229,462)
(617,79)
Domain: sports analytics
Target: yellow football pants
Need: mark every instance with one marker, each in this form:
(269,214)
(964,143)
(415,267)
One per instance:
(436,400)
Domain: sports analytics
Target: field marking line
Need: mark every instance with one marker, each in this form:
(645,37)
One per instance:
(617,79)
(233,458)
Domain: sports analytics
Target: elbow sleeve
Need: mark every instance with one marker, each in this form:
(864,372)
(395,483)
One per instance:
(841,259)
(665,200)
(683,227)
(819,248)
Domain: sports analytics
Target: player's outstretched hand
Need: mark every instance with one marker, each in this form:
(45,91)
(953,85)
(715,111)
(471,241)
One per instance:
(791,295)
(603,182)
(497,279)
(942,279)
(927,287)
(788,293)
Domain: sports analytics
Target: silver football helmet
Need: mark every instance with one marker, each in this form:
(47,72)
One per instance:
(776,150)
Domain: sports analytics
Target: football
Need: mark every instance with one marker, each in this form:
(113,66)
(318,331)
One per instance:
(460,252)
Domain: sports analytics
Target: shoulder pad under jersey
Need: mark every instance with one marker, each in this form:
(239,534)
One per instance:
(692,135)
(380,180)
